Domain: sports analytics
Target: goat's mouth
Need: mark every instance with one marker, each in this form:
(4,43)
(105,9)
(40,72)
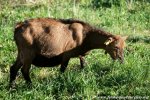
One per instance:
(116,57)
(121,59)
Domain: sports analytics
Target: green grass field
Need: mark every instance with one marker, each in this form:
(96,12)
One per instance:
(101,76)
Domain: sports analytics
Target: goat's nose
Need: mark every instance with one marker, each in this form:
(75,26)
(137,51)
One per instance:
(121,59)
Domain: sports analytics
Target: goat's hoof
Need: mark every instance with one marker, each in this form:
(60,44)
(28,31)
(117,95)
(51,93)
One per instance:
(62,70)
(83,66)
(12,86)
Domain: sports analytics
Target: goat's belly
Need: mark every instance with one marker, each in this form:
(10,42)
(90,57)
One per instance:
(42,61)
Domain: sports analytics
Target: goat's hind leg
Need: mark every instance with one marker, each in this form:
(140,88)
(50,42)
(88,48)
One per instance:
(25,72)
(13,71)
(27,61)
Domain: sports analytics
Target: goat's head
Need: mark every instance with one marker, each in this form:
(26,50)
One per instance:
(115,47)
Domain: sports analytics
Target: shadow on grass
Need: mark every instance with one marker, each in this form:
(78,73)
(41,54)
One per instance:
(134,39)
(76,81)
(106,77)
(101,69)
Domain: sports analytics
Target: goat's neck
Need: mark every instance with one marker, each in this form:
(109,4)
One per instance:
(96,38)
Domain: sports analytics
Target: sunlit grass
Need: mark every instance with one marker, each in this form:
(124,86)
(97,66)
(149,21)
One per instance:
(101,76)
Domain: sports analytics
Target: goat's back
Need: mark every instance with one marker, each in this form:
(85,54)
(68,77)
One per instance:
(48,37)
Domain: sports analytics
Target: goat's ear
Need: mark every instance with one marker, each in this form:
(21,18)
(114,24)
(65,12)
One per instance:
(108,41)
(124,37)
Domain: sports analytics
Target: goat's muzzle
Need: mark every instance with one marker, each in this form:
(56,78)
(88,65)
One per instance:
(121,59)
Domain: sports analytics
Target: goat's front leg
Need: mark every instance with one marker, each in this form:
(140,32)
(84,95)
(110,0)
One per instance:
(64,65)
(70,54)
(82,61)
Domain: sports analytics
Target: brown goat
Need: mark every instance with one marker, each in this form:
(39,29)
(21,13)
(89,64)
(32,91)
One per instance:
(48,42)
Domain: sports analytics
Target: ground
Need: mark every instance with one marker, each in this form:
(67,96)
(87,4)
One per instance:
(101,76)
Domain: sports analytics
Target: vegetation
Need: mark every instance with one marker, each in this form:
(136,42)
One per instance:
(101,76)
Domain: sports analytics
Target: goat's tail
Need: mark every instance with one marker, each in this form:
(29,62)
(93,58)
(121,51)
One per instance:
(20,28)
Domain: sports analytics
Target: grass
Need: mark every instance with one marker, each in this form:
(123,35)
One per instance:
(101,76)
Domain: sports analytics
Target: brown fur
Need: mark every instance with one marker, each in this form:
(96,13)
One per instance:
(50,42)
